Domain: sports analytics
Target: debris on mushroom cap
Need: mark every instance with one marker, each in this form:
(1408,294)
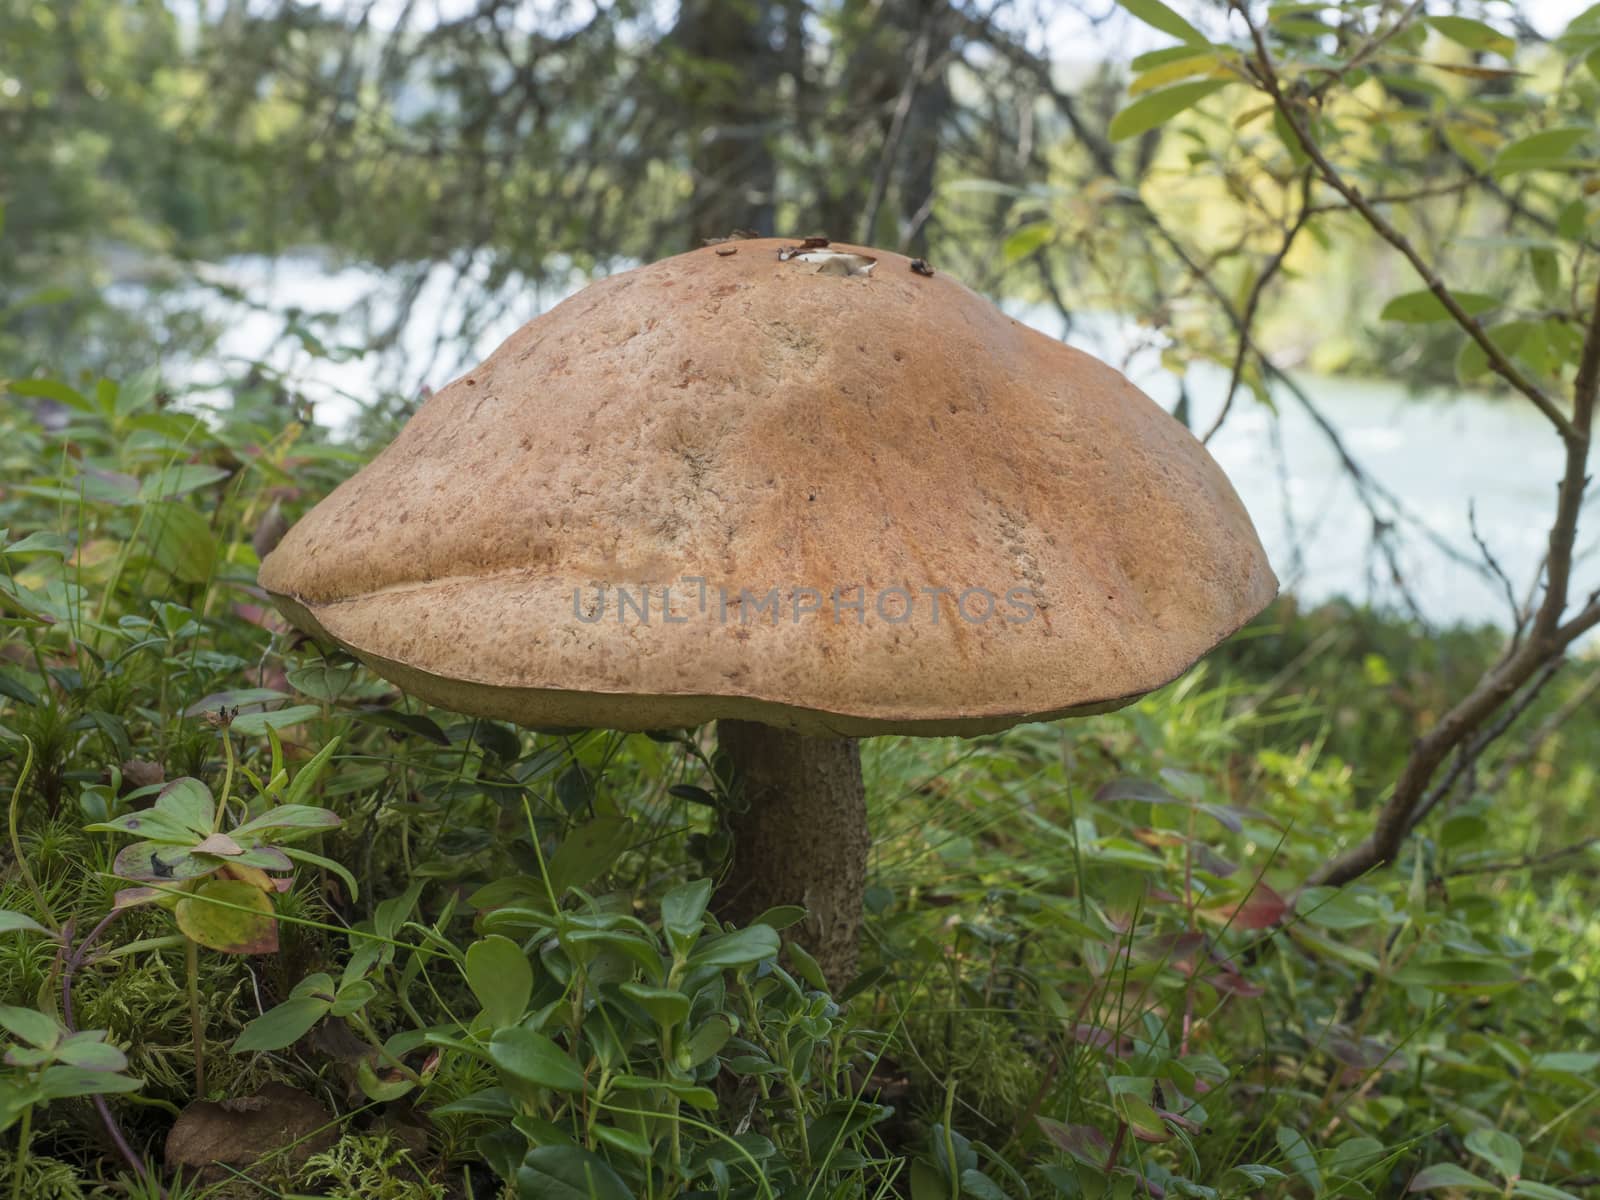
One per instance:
(920,266)
(785,253)
(835,262)
(725,487)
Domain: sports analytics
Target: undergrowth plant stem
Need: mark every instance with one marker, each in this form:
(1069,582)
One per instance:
(19,1161)
(191,964)
(28,880)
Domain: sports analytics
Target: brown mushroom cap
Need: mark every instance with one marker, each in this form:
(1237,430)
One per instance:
(758,424)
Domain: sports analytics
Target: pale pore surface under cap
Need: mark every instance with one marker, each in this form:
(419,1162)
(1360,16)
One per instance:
(763,424)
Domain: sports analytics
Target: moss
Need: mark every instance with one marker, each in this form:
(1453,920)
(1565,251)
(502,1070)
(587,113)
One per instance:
(42,1178)
(997,1074)
(369,1167)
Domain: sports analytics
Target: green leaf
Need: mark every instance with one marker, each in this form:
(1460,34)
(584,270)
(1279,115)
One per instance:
(1547,149)
(683,913)
(625,1140)
(255,724)
(806,967)
(17,691)
(1540,1191)
(532,1058)
(15,922)
(352,997)
(665,1006)
(1500,1150)
(1448,1175)
(501,977)
(1206,63)
(41,542)
(281,1026)
(245,926)
(1142,1119)
(300,854)
(289,816)
(978,1185)
(782,916)
(306,777)
(375,1087)
(32,1027)
(690,1093)
(1336,908)
(50,389)
(1418,307)
(1298,1154)
(1458,975)
(1474,35)
(58,1083)
(568,1173)
(188,802)
(713,1034)
(588,851)
(178,480)
(1153,108)
(740,948)
(490,1102)
(89,1052)
(181,540)
(323,681)
(1546,269)
(1159,16)
(1510,336)
(1026,240)
(403,722)
(1568,1062)
(161,862)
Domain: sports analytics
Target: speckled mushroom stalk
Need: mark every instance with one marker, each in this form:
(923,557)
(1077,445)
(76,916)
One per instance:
(799,837)
(854,497)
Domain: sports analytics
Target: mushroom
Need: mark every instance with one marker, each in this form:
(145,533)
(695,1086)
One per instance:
(809,504)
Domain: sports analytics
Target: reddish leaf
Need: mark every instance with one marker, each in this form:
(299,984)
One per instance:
(1084,1142)
(1232,983)
(1172,948)
(1262,908)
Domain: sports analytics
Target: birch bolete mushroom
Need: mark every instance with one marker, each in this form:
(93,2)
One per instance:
(812,494)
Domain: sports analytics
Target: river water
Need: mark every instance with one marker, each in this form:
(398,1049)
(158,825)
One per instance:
(1439,458)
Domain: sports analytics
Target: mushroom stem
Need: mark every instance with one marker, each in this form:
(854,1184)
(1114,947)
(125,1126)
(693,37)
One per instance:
(799,837)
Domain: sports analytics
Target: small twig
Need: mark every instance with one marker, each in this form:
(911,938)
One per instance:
(1518,618)
(1247,317)
(1468,755)
(1424,193)
(1546,729)
(1527,862)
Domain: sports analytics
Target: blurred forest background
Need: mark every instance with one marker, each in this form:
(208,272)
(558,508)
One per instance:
(353,201)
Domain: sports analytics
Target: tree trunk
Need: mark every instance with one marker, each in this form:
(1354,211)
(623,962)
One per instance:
(729,102)
(799,837)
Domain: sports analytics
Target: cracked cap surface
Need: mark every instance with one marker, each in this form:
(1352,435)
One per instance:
(762,424)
